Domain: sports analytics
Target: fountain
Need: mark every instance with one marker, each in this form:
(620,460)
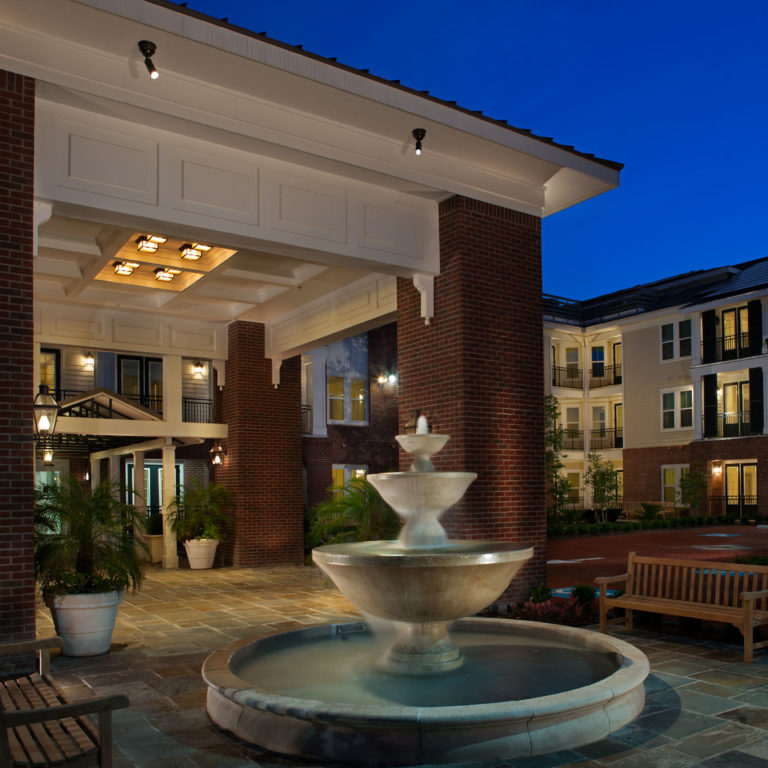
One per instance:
(418,683)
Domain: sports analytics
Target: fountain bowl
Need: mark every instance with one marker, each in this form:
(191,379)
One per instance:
(527,688)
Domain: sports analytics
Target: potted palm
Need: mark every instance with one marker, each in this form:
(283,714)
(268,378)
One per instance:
(86,555)
(200,516)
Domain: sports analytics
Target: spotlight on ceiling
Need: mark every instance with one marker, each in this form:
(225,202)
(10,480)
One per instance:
(190,252)
(125,267)
(166,274)
(149,243)
(418,134)
(148,49)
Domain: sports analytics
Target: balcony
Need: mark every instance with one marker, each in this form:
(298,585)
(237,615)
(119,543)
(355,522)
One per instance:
(604,375)
(573,439)
(731,424)
(720,348)
(601,439)
(197,410)
(193,409)
(568,377)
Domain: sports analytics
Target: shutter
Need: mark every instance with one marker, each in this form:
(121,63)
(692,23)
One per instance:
(755,318)
(708,335)
(756,418)
(710,405)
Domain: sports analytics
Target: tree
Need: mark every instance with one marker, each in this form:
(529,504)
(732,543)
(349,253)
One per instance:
(602,477)
(693,489)
(558,487)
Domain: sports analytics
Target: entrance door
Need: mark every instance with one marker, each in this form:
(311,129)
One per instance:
(741,489)
(617,363)
(141,379)
(618,422)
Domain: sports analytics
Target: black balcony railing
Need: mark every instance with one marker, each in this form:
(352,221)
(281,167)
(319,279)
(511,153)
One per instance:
(606,438)
(152,403)
(604,375)
(195,409)
(306,419)
(569,376)
(573,440)
(715,350)
(731,424)
(740,506)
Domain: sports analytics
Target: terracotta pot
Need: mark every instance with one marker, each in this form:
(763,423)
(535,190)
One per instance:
(85,622)
(201,552)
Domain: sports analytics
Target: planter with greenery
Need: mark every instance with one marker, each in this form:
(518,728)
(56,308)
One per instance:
(86,555)
(200,516)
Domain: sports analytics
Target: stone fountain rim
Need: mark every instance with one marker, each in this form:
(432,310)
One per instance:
(631,672)
(483,553)
(411,475)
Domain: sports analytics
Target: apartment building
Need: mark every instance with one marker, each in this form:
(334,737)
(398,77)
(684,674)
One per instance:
(665,378)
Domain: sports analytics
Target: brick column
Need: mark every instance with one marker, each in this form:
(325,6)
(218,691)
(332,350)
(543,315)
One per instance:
(17,160)
(478,370)
(263,460)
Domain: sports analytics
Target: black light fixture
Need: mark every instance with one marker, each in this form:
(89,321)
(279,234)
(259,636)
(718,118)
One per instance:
(46,411)
(48,456)
(217,455)
(418,134)
(148,49)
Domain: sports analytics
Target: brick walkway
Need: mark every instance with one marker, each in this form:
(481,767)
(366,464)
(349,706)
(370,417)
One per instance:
(705,709)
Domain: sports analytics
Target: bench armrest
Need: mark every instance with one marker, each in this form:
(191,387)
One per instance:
(611,579)
(23,646)
(12,718)
(754,595)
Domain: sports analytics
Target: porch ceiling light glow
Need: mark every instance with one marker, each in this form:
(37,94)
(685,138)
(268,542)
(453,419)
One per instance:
(46,410)
(125,267)
(149,243)
(166,274)
(148,49)
(418,134)
(197,368)
(190,251)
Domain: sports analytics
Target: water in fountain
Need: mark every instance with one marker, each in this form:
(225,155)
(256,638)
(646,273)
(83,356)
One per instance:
(486,689)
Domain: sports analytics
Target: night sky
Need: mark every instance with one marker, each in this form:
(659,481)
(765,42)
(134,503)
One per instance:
(675,90)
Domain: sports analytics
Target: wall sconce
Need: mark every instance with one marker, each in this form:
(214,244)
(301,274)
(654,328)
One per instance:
(198,369)
(387,378)
(217,455)
(166,274)
(48,456)
(88,361)
(125,267)
(717,469)
(418,134)
(149,243)
(46,410)
(148,49)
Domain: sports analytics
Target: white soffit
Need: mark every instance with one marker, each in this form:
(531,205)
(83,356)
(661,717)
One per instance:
(216,79)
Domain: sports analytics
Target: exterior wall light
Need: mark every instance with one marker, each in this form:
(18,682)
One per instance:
(88,361)
(418,134)
(125,267)
(217,455)
(148,49)
(717,468)
(46,410)
(190,252)
(166,274)
(48,457)
(198,369)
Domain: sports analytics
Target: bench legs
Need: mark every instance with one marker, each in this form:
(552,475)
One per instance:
(628,619)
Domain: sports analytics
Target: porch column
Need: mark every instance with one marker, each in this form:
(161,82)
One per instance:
(139,491)
(95,472)
(170,558)
(477,370)
(114,469)
(263,462)
(17,374)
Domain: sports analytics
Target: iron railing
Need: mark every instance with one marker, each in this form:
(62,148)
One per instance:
(196,409)
(717,349)
(573,440)
(602,438)
(730,424)
(604,375)
(569,376)
(741,506)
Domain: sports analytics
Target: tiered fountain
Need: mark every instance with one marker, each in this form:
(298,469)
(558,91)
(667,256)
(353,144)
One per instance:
(417,684)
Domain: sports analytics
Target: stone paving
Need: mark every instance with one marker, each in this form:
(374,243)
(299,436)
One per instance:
(705,708)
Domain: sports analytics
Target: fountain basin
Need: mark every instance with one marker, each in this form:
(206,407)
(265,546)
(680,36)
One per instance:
(527,688)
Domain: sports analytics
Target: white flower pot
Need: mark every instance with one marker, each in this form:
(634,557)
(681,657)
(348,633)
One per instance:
(201,552)
(155,545)
(85,622)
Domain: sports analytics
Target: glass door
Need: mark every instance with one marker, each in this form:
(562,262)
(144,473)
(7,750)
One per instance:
(618,423)
(740,489)
(617,363)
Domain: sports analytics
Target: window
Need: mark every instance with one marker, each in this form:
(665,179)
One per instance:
(336,398)
(676,335)
(735,333)
(677,409)
(357,395)
(572,421)
(572,362)
(598,418)
(670,481)
(341,474)
(574,482)
(49,369)
(598,362)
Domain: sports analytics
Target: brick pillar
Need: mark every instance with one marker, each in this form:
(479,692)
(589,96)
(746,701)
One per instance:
(17,161)
(478,370)
(263,460)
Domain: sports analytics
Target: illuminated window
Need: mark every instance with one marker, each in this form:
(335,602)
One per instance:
(670,482)
(336,398)
(357,396)
(49,367)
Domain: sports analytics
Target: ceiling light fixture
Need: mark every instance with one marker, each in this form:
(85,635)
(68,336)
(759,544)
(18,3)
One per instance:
(148,49)
(418,134)
(149,243)
(166,274)
(202,247)
(125,267)
(190,252)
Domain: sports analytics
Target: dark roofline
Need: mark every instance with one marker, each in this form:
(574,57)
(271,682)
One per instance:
(182,8)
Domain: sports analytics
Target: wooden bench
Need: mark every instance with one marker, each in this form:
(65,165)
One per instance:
(39,727)
(700,589)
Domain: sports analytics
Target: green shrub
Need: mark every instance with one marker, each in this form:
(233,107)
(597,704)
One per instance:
(584,593)
(541,593)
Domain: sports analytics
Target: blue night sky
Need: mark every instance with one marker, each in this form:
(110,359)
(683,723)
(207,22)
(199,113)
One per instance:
(675,90)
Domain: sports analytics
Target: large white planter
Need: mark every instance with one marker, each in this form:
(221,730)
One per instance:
(85,622)
(155,545)
(201,552)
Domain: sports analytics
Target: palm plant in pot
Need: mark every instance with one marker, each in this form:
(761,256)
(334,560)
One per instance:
(86,555)
(200,516)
